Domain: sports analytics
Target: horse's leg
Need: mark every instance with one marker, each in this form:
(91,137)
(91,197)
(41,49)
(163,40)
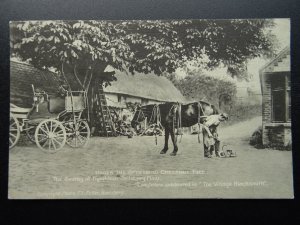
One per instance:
(165,149)
(174,142)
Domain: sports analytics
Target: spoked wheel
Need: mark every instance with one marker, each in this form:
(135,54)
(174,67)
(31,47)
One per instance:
(50,136)
(30,131)
(14,131)
(78,134)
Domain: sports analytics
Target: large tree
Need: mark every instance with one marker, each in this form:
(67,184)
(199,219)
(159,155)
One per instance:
(81,50)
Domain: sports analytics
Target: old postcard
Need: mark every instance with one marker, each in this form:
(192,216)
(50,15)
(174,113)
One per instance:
(150,109)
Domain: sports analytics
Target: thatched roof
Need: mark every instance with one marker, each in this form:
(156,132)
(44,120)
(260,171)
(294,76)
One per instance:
(149,86)
(22,76)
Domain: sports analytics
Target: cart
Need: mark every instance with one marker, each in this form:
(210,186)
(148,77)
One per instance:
(52,122)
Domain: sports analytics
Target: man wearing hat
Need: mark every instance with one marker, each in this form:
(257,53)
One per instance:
(211,141)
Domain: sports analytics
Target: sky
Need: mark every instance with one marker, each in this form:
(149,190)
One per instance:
(282,32)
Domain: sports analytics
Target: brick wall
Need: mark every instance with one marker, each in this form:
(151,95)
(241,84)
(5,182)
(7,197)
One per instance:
(277,135)
(267,101)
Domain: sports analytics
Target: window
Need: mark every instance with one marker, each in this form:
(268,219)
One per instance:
(121,98)
(281,99)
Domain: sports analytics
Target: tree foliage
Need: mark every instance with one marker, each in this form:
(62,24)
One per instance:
(218,90)
(83,49)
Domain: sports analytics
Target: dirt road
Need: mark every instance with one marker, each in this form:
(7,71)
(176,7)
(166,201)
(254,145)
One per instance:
(133,168)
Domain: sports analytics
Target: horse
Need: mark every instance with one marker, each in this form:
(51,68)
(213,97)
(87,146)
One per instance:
(175,115)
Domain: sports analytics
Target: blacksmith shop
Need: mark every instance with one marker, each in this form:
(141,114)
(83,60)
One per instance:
(276,102)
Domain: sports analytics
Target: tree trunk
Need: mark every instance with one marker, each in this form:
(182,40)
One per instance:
(86,78)
(92,87)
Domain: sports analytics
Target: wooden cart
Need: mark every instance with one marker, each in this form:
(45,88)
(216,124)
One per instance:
(51,122)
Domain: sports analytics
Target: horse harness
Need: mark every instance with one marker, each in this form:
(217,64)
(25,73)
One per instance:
(178,122)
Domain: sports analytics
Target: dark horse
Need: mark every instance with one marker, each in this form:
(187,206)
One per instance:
(174,115)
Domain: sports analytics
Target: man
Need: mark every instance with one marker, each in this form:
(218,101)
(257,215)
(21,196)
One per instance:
(211,141)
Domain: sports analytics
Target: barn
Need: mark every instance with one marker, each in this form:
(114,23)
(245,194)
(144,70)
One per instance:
(275,78)
(141,88)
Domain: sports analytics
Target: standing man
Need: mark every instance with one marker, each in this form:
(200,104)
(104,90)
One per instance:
(211,141)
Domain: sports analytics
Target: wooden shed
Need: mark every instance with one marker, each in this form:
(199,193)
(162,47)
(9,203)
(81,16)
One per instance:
(141,88)
(275,79)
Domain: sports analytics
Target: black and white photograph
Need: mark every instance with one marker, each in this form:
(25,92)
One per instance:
(150,109)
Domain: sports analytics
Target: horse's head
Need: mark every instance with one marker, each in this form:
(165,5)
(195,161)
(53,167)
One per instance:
(223,117)
(212,110)
(206,109)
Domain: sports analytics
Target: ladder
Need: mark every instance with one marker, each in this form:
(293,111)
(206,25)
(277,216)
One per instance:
(106,126)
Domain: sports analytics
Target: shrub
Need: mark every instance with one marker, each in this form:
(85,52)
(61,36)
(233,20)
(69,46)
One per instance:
(256,138)
(198,86)
(238,113)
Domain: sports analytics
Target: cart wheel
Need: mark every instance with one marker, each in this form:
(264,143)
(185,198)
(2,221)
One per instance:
(14,131)
(30,132)
(50,135)
(77,135)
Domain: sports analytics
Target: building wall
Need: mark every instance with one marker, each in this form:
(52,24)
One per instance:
(276,134)
(126,98)
(112,97)
(131,99)
(150,101)
(267,100)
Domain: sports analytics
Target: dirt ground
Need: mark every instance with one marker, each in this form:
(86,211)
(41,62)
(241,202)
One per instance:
(133,168)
